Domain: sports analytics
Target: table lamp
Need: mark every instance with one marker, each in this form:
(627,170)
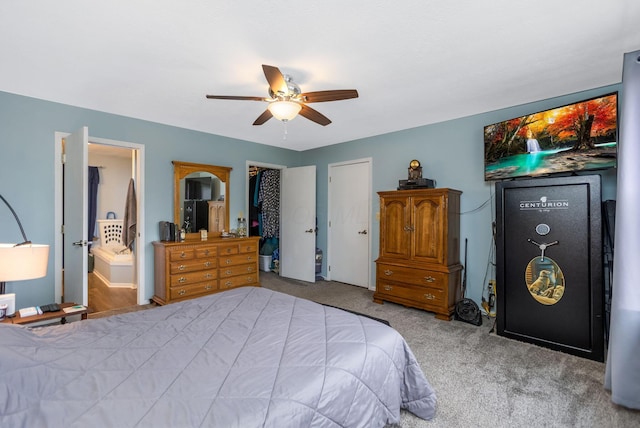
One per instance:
(21,261)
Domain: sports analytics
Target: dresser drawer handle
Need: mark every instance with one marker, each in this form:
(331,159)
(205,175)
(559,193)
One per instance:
(206,252)
(228,272)
(388,272)
(388,288)
(228,261)
(208,275)
(182,267)
(228,283)
(249,258)
(228,250)
(250,269)
(182,292)
(249,279)
(183,255)
(207,264)
(208,287)
(182,280)
(429,296)
(429,278)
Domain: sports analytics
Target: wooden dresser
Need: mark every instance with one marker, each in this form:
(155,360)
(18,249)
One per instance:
(419,261)
(193,268)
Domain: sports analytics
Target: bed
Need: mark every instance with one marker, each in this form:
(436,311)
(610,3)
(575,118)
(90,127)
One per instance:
(247,357)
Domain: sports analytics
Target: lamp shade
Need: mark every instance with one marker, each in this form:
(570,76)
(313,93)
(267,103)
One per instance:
(284,110)
(23,262)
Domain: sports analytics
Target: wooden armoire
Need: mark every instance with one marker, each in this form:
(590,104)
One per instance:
(419,261)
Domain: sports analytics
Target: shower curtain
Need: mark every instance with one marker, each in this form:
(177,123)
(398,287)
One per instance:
(94,180)
(622,376)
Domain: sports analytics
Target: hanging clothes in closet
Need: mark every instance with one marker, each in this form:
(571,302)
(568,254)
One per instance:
(267,201)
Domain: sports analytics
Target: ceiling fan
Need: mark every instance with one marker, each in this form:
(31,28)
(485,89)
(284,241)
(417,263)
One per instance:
(286,100)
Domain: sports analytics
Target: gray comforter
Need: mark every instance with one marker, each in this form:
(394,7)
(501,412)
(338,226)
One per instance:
(248,357)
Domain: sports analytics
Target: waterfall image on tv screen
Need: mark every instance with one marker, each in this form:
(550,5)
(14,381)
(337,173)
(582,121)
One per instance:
(573,138)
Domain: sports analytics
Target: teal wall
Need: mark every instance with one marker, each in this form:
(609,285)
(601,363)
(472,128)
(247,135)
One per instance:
(27,128)
(450,152)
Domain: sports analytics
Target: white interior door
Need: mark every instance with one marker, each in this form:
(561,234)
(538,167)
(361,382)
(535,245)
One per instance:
(75,216)
(349,217)
(298,223)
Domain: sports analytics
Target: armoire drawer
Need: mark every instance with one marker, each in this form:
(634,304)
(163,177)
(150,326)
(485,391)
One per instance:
(409,275)
(419,294)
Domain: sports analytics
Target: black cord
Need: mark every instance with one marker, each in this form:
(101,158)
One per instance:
(26,241)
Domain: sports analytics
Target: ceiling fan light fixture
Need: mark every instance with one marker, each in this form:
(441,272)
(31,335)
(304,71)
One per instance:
(284,110)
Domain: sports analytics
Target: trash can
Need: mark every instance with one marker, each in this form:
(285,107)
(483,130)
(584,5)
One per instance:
(265,263)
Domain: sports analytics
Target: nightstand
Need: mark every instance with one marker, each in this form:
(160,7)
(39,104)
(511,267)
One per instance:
(61,314)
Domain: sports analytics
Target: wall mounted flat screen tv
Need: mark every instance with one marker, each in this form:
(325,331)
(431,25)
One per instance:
(573,138)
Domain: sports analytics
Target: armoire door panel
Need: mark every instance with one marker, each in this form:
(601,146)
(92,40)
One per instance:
(428,230)
(395,231)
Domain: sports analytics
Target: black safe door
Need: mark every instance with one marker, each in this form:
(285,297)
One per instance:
(549,263)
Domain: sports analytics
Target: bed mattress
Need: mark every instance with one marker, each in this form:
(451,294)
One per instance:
(247,357)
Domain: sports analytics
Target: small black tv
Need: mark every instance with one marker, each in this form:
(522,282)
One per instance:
(573,138)
(199,188)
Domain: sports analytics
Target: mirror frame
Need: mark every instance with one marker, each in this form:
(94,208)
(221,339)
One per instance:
(182,169)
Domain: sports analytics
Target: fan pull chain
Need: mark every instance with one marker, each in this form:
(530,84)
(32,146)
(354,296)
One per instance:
(284,136)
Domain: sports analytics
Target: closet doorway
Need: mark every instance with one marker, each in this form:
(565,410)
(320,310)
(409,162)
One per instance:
(263,210)
(293,190)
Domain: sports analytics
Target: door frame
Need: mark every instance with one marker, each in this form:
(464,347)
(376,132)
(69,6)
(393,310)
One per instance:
(246,182)
(369,162)
(138,169)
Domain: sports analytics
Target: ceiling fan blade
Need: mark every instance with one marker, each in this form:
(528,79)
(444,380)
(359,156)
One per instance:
(314,115)
(232,97)
(322,96)
(266,115)
(275,79)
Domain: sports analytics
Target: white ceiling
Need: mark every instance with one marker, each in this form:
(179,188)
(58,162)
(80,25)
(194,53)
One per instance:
(413,62)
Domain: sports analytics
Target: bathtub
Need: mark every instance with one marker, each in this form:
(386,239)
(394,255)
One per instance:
(112,265)
(116,270)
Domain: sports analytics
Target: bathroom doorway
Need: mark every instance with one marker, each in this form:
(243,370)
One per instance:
(74,268)
(111,277)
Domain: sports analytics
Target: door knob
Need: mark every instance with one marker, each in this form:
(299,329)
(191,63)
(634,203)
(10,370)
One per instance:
(308,231)
(363,232)
(80,243)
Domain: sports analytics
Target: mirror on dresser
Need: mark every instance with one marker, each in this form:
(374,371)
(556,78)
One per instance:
(200,197)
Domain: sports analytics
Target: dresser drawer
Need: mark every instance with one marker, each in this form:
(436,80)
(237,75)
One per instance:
(229,249)
(203,252)
(249,247)
(418,294)
(237,281)
(193,289)
(192,266)
(411,276)
(193,277)
(228,271)
(185,254)
(238,259)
